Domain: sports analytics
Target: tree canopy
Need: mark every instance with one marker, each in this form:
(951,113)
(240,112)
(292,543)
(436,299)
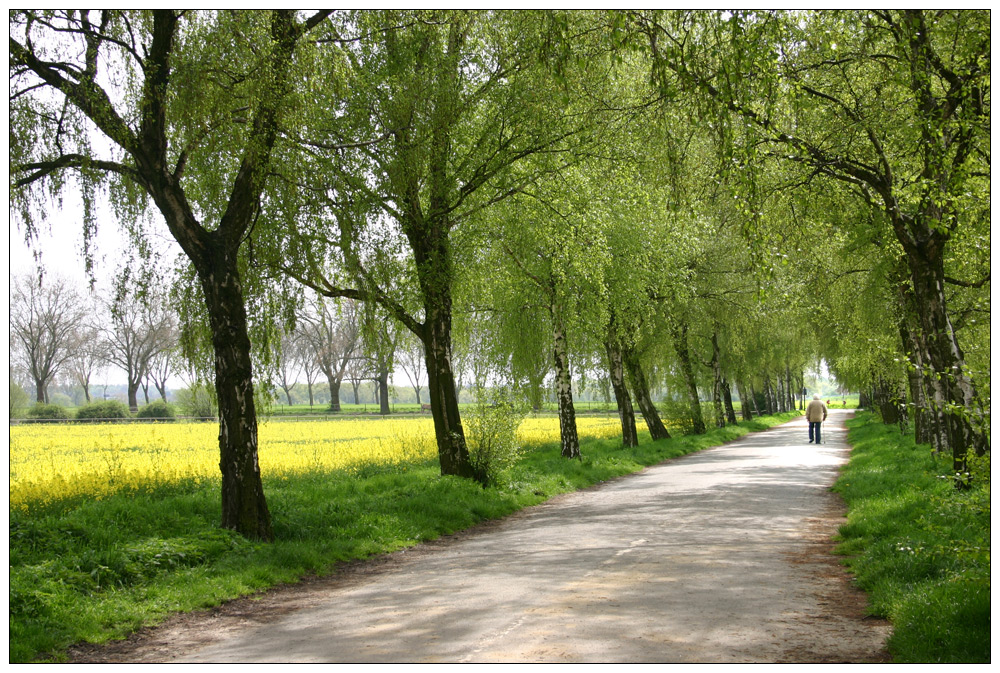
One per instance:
(701,203)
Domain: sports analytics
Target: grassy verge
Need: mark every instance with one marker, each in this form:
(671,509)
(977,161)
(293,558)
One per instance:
(101,569)
(918,546)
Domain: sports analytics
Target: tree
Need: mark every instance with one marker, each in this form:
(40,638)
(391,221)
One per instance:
(188,105)
(162,365)
(333,334)
(849,98)
(88,358)
(46,321)
(304,356)
(138,330)
(410,359)
(288,366)
(450,106)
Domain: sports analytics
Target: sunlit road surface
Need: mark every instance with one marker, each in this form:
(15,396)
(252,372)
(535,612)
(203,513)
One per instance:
(708,558)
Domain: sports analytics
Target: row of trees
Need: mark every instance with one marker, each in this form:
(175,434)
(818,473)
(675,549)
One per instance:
(676,194)
(60,333)
(57,331)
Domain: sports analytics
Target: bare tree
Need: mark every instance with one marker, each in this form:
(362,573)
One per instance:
(410,358)
(46,317)
(306,359)
(88,358)
(288,365)
(381,341)
(359,369)
(138,331)
(333,336)
(163,364)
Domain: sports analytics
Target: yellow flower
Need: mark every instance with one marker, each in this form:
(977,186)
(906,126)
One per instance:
(49,463)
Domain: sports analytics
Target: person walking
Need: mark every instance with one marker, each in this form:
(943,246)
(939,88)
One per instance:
(815,414)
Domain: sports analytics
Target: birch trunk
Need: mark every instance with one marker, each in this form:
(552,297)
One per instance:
(641,389)
(626,414)
(568,436)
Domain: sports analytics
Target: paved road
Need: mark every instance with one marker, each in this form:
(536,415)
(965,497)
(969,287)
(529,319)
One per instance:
(719,556)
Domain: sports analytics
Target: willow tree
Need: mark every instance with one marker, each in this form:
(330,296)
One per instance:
(181,109)
(892,105)
(447,108)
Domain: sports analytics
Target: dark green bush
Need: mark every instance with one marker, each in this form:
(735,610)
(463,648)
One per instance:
(157,409)
(47,412)
(102,411)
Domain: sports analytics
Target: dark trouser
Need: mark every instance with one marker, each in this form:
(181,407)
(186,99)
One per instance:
(814,427)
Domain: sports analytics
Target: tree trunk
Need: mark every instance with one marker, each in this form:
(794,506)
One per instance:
(727,398)
(720,419)
(769,398)
(568,436)
(681,346)
(949,379)
(453,452)
(133,396)
(886,400)
(789,391)
(626,414)
(641,389)
(40,391)
(745,401)
(753,400)
(382,392)
(244,508)
(334,393)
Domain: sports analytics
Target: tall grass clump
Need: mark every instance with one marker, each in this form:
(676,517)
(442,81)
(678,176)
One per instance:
(494,447)
(917,545)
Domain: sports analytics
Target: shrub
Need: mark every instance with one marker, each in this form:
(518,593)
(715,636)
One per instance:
(102,411)
(157,409)
(47,412)
(18,399)
(677,414)
(198,401)
(492,437)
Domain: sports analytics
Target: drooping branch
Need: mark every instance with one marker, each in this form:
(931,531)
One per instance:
(44,168)
(324,287)
(90,98)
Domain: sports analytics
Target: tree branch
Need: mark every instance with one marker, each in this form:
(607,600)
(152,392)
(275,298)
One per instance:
(44,168)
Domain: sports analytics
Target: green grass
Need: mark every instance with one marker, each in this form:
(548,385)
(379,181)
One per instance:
(102,569)
(918,546)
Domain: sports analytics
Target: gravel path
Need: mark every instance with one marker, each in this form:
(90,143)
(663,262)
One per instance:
(719,556)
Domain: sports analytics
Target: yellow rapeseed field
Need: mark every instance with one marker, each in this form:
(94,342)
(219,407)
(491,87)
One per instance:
(54,462)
